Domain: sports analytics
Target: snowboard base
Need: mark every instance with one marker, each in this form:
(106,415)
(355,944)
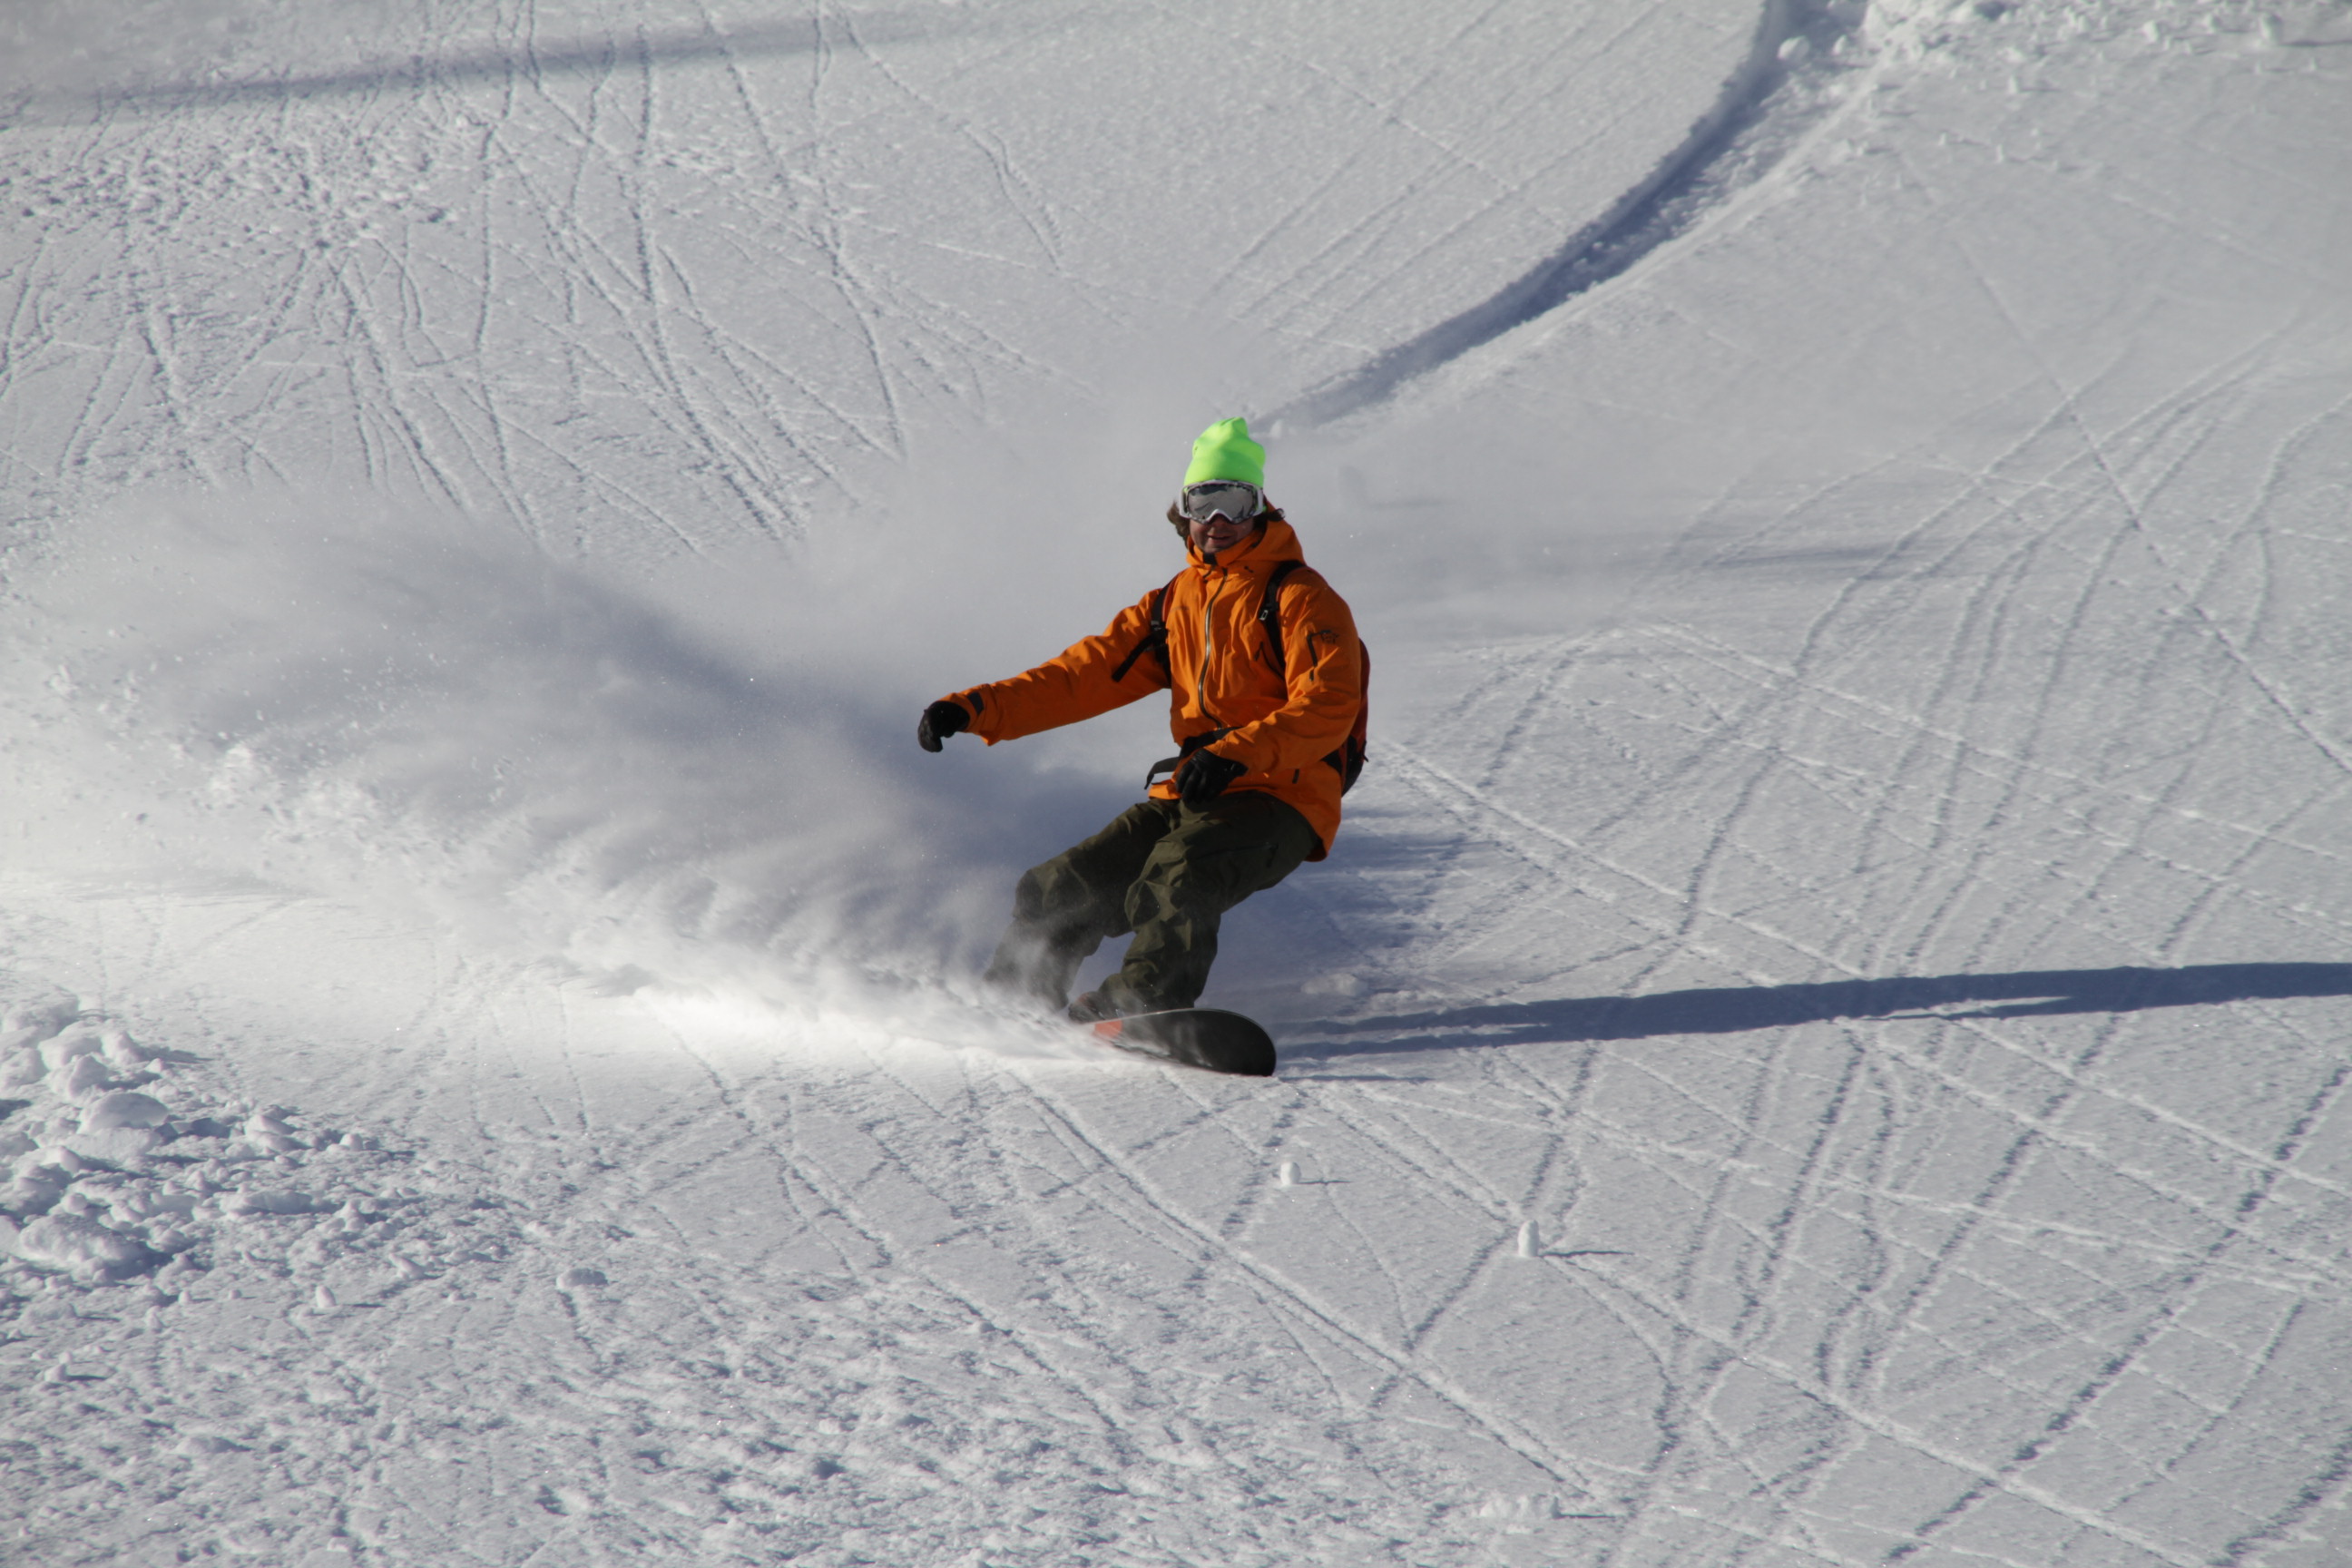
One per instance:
(1208,1038)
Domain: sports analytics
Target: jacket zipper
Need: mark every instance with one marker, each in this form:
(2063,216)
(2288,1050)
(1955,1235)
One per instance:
(1208,642)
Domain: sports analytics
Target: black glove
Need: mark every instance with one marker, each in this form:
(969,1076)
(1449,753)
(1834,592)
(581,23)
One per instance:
(940,720)
(1204,775)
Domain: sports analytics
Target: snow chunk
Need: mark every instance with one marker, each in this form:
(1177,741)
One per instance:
(1339,982)
(116,1145)
(1518,1511)
(81,1077)
(125,1108)
(267,1130)
(81,1247)
(34,1192)
(38,1020)
(272,1203)
(1911,28)
(57,1155)
(80,1041)
(123,1051)
(120,1126)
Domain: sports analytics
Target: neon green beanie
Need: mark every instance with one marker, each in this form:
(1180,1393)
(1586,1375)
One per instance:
(1225,451)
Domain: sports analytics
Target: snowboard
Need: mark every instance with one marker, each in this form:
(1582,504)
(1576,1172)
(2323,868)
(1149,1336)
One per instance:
(1207,1038)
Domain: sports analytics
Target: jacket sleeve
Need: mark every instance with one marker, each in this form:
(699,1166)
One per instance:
(1323,677)
(1072,685)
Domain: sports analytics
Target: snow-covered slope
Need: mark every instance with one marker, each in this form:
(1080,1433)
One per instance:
(1924,897)
(1822,1040)
(634,279)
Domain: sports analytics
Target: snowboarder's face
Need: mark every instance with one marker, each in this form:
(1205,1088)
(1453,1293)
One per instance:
(1220,533)
(1220,513)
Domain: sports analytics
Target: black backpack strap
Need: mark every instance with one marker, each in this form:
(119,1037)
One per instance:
(1269,610)
(1350,758)
(1155,640)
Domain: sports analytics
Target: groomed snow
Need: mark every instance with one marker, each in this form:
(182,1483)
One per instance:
(1822,1040)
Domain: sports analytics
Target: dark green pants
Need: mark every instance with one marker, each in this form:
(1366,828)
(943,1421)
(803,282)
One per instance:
(1167,872)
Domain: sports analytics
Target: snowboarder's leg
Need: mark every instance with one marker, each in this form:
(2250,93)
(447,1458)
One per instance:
(1213,858)
(1063,908)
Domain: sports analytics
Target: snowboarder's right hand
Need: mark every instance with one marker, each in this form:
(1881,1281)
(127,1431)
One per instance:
(940,720)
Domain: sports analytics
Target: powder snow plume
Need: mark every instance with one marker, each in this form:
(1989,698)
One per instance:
(345,700)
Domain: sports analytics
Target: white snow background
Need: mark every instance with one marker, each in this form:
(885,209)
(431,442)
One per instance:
(1823,1039)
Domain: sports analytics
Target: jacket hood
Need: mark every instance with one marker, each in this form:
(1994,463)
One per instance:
(1275,541)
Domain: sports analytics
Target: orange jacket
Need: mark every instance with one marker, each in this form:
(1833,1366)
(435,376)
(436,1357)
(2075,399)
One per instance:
(1219,672)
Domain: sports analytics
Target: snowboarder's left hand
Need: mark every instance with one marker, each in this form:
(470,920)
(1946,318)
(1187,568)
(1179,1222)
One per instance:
(940,720)
(1204,775)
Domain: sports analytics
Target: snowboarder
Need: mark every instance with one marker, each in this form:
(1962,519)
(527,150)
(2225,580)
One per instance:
(1265,683)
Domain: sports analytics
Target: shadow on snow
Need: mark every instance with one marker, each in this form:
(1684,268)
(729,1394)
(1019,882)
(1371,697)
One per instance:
(530,62)
(2027,994)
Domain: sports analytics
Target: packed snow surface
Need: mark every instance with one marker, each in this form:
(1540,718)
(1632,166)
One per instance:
(1824,1038)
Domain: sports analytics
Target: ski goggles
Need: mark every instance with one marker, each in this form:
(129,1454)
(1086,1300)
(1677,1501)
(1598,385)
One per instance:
(1221,497)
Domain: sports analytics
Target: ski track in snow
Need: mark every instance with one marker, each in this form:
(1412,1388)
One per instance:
(1894,960)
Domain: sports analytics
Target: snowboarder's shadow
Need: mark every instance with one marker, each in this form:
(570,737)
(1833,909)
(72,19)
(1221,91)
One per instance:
(2026,993)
